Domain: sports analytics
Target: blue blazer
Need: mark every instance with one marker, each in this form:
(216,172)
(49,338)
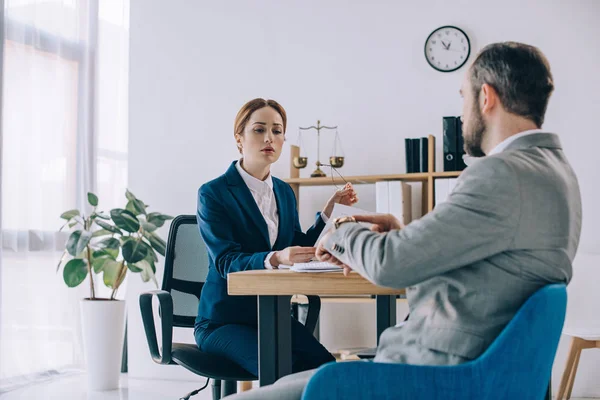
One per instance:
(237,239)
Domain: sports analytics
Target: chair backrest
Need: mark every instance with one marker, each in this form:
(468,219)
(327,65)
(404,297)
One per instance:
(520,359)
(186,268)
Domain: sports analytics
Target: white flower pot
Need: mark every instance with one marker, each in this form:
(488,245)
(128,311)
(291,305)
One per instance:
(103,325)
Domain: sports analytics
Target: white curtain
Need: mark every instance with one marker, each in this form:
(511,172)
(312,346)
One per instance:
(64,133)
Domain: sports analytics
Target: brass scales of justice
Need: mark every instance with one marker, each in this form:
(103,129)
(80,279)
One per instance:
(335,161)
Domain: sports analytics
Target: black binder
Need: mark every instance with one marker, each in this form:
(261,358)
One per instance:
(423,150)
(409,156)
(450,143)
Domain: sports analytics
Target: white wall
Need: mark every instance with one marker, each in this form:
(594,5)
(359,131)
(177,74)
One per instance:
(358,65)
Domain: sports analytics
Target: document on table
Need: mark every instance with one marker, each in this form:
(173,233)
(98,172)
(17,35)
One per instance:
(316,266)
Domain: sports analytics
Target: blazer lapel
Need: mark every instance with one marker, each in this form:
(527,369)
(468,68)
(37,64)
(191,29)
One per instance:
(282,210)
(242,194)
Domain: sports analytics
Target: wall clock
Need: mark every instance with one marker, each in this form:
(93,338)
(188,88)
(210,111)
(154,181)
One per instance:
(447,48)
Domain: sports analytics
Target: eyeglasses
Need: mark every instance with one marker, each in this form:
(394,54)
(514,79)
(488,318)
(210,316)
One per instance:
(332,178)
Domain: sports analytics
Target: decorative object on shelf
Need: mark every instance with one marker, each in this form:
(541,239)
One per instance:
(447,48)
(335,161)
(111,245)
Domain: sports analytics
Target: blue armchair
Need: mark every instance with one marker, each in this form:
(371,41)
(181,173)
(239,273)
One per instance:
(516,366)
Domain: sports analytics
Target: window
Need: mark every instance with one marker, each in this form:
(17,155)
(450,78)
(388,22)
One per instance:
(64,133)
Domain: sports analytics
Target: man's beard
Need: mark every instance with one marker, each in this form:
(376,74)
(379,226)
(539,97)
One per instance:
(474,131)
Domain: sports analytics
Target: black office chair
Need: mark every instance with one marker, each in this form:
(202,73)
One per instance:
(186,268)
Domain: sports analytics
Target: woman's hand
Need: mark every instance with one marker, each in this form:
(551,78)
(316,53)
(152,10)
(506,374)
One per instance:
(346,196)
(291,255)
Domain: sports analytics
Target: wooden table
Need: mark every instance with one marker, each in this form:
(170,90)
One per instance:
(275,288)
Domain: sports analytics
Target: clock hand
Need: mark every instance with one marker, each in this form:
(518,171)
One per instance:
(444,44)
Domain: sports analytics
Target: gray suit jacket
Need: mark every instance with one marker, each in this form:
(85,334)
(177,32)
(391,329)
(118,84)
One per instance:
(510,226)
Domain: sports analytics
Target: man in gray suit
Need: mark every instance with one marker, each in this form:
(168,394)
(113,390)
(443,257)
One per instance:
(510,227)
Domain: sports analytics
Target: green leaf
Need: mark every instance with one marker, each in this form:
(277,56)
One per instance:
(72,242)
(110,247)
(136,206)
(148,227)
(125,220)
(151,259)
(101,232)
(100,215)
(73,246)
(158,219)
(134,268)
(75,272)
(146,270)
(129,195)
(61,260)
(84,240)
(110,243)
(134,251)
(109,227)
(92,199)
(98,263)
(70,214)
(156,242)
(111,270)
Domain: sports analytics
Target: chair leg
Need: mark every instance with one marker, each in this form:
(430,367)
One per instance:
(245,386)
(216,389)
(568,379)
(568,368)
(229,387)
(571,382)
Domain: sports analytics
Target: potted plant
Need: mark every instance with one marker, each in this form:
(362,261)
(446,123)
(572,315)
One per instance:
(111,246)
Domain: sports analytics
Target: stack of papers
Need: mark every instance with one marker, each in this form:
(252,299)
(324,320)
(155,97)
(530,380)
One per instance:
(315,266)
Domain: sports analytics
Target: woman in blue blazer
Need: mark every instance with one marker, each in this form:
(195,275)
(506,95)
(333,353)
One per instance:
(248,220)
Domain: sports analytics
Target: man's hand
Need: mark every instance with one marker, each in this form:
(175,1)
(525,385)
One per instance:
(323,254)
(291,255)
(381,223)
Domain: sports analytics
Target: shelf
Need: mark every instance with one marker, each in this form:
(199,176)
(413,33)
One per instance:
(449,174)
(416,177)
(427,178)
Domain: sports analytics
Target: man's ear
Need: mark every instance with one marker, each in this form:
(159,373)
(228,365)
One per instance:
(488,99)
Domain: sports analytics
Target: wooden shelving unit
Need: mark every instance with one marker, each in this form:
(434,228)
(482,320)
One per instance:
(427,178)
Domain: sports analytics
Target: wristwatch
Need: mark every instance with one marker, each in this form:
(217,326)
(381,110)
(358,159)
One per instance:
(341,220)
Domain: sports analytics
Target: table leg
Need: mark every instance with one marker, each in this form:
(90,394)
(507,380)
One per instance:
(284,336)
(274,338)
(386,313)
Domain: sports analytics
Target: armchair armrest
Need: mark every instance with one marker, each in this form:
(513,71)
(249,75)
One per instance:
(165,302)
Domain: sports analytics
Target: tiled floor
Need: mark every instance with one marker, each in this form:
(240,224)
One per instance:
(74,387)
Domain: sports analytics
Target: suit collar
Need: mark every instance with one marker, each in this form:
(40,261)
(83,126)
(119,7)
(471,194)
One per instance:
(541,139)
(254,184)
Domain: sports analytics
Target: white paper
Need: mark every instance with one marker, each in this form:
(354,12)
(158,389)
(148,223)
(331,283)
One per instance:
(340,210)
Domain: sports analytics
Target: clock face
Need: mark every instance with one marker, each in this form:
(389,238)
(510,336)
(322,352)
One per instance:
(447,48)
